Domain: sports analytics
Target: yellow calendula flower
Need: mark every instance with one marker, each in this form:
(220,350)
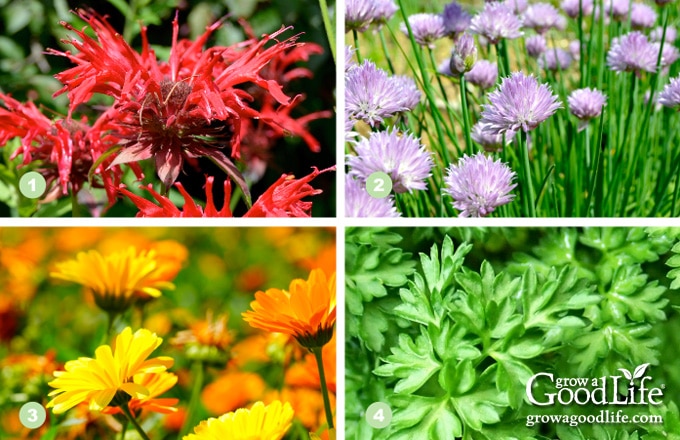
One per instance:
(260,422)
(157,384)
(115,279)
(110,378)
(305,311)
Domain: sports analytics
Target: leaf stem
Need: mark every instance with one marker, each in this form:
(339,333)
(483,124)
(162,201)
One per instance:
(328,25)
(324,387)
(466,114)
(126,411)
(524,153)
(198,375)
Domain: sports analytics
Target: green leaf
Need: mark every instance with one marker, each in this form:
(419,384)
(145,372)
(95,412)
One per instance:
(370,269)
(449,342)
(415,304)
(480,407)
(58,208)
(674,262)
(9,49)
(512,376)
(457,377)
(18,14)
(413,362)
(418,417)
(631,295)
(438,275)
(545,303)
(373,326)
(629,342)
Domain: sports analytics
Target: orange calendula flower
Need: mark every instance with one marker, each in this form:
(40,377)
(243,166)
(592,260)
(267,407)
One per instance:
(209,332)
(269,422)
(305,311)
(117,278)
(232,390)
(113,377)
(206,340)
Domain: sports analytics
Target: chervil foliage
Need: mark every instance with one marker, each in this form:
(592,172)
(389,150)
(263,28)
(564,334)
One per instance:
(453,345)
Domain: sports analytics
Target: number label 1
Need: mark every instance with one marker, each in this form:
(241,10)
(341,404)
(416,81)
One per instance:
(32,185)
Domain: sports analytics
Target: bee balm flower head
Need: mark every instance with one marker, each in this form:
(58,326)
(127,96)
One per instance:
(192,105)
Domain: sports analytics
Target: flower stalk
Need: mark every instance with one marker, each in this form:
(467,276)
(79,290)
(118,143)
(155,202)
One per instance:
(133,420)
(324,387)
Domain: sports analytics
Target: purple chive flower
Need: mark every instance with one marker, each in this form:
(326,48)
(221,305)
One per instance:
(536,45)
(445,67)
(483,74)
(617,9)
(669,54)
(670,96)
(555,59)
(358,15)
(574,49)
(586,104)
(642,16)
(541,17)
(518,7)
(571,7)
(456,19)
(371,95)
(520,103)
(350,134)
(426,28)
(409,94)
(496,21)
(632,53)
(671,34)
(463,55)
(479,185)
(359,203)
(401,156)
(384,11)
(490,142)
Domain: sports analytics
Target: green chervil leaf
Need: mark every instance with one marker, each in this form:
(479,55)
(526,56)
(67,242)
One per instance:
(627,343)
(630,295)
(370,270)
(430,418)
(473,324)
(413,362)
(674,262)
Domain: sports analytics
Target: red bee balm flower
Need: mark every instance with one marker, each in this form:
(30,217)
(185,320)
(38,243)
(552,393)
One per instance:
(282,199)
(65,150)
(177,110)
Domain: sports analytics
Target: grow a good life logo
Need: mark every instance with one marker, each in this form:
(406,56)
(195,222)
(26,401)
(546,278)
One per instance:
(605,390)
(629,388)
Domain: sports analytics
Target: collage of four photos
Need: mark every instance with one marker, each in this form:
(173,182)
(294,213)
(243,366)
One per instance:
(489,246)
